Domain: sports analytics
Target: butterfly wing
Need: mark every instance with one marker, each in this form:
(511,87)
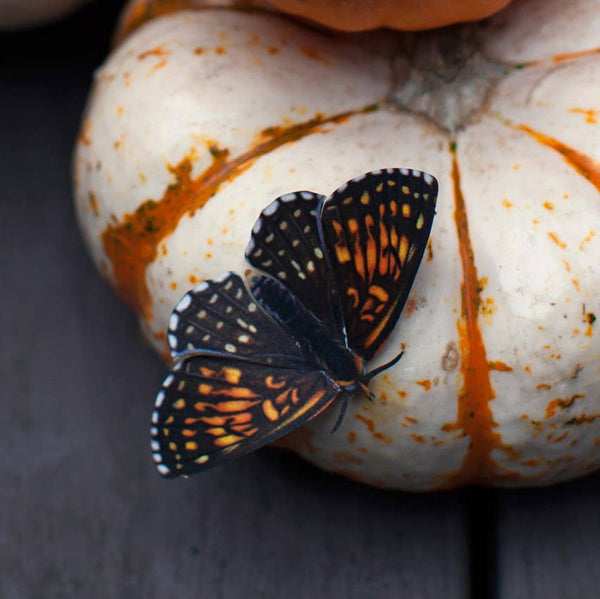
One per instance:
(212,409)
(376,229)
(221,318)
(286,244)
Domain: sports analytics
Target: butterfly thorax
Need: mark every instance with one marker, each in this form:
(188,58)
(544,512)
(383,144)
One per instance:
(324,349)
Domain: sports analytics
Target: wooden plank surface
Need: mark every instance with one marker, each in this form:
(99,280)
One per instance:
(82,512)
(548,542)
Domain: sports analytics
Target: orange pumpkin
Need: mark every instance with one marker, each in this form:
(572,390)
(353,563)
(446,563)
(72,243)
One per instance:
(405,15)
(347,15)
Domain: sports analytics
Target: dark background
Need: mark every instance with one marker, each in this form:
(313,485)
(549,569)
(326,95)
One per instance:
(83,512)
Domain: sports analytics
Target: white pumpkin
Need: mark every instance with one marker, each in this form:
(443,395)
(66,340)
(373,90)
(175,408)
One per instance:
(200,118)
(17,14)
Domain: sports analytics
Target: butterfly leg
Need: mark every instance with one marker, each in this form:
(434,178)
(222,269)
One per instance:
(347,396)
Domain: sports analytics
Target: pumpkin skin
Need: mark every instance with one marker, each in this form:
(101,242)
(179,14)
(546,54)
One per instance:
(200,118)
(17,14)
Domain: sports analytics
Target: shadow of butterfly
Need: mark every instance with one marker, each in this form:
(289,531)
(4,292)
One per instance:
(260,355)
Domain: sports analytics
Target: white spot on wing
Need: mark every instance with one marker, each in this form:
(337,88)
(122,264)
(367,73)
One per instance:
(172,341)
(162,469)
(155,445)
(203,286)
(288,197)
(428,178)
(173,321)
(271,208)
(230,348)
(184,303)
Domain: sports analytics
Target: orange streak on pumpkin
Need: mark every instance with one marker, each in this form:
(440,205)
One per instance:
(370,424)
(566,56)
(159,51)
(425,383)
(585,165)
(499,366)
(573,55)
(133,243)
(591,115)
(474,414)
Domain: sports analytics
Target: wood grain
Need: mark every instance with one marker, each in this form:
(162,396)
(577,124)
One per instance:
(549,542)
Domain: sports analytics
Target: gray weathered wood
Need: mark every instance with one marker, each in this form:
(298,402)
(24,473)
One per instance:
(549,542)
(83,513)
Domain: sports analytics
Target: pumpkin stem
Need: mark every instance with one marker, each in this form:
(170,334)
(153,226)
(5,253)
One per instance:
(443,75)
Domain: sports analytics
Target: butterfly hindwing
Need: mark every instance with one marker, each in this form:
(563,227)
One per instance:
(376,229)
(286,244)
(211,410)
(222,317)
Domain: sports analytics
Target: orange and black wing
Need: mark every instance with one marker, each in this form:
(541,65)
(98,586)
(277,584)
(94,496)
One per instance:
(375,229)
(211,410)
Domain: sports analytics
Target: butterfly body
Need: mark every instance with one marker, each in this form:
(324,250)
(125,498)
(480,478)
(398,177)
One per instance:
(256,357)
(324,351)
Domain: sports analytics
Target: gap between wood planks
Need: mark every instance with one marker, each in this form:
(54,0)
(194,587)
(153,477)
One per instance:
(482,509)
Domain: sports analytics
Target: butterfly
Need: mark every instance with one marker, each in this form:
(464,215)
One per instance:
(259,355)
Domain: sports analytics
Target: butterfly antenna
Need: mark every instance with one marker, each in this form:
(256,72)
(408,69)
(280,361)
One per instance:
(380,369)
(345,402)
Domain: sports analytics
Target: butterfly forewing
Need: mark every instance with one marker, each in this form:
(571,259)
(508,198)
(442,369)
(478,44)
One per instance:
(375,229)
(211,410)
(287,245)
(222,317)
